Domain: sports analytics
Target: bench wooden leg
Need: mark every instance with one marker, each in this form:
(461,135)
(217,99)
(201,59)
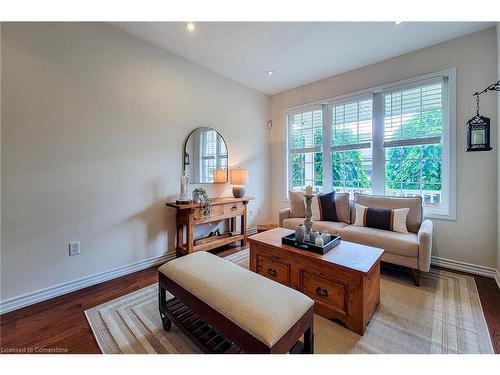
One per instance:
(166,323)
(162,301)
(308,341)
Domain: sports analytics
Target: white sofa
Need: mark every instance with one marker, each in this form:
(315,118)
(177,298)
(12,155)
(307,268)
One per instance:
(412,250)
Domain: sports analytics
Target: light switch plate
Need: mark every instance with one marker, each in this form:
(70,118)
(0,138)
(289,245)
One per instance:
(74,248)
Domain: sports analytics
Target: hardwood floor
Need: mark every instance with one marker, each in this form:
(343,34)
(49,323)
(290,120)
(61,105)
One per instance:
(59,324)
(490,300)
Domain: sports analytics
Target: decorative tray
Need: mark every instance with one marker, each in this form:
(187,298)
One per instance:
(308,246)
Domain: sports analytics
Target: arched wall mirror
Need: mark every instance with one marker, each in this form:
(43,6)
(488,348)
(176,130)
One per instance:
(205,157)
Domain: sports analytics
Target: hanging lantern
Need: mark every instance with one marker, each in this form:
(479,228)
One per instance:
(478,132)
(478,127)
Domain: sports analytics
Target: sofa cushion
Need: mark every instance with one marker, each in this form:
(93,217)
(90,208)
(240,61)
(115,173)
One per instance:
(414,218)
(392,242)
(331,227)
(323,207)
(342,206)
(262,307)
(297,205)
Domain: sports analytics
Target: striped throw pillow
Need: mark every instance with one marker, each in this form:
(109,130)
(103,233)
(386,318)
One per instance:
(323,207)
(382,218)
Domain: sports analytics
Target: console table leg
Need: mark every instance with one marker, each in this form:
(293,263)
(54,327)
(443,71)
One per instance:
(190,235)
(244,226)
(180,235)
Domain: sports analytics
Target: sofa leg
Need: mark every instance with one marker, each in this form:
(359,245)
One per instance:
(415,275)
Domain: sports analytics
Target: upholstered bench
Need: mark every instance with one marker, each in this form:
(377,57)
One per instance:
(224,308)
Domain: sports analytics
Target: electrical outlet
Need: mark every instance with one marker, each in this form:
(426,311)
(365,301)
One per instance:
(74,248)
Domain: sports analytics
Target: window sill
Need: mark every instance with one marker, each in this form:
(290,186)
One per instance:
(438,216)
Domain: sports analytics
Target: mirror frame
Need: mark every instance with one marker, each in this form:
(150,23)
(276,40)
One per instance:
(184,156)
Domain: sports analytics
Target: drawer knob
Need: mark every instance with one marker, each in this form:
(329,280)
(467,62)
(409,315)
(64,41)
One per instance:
(234,208)
(271,272)
(321,292)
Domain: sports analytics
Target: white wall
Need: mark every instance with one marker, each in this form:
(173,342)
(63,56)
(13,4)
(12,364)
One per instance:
(93,124)
(498,143)
(472,237)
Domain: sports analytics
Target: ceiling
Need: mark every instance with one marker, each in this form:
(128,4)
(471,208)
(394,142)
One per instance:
(297,52)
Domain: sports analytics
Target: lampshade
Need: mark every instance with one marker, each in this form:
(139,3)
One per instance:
(239,176)
(220,175)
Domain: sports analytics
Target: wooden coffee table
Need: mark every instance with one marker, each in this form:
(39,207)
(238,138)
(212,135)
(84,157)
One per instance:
(344,283)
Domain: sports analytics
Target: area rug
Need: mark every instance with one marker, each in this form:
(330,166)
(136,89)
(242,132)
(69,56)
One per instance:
(443,315)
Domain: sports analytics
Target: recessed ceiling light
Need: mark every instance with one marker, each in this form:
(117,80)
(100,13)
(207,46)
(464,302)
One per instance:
(190,26)
(398,22)
(270,72)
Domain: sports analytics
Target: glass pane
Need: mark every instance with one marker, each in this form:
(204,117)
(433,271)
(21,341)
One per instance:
(352,171)
(432,195)
(306,129)
(307,169)
(351,123)
(415,113)
(414,171)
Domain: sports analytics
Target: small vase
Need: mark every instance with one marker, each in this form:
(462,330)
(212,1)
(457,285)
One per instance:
(300,231)
(326,237)
(313,236)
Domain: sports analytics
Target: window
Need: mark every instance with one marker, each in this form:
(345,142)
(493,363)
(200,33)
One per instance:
(394,140)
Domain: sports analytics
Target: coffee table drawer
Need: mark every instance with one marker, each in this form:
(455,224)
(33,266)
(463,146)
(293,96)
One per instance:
(273,269)
(325,290)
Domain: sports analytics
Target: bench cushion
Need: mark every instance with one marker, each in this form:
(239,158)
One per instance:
(262,307)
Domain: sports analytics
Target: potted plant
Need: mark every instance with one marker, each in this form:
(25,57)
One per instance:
(200,196)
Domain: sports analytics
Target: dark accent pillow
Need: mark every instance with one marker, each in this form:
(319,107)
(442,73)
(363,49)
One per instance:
(327,208)
(379,218)
(382,218)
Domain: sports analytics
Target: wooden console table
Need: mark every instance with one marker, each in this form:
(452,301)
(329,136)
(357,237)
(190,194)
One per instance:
(225,208)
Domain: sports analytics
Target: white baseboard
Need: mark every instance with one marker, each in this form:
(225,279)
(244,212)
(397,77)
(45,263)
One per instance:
(57,290)
(466,267)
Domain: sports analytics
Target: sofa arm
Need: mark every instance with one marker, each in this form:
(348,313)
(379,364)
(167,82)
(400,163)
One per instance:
(425,245)
(283,214)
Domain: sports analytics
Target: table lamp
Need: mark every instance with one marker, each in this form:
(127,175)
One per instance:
(239,177)
(220,176)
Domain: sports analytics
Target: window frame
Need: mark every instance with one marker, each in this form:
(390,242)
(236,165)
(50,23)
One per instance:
(376,93)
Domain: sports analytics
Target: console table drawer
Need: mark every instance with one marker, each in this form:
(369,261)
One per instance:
(199,217)
(325,290)
(233,208)
(273,269)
